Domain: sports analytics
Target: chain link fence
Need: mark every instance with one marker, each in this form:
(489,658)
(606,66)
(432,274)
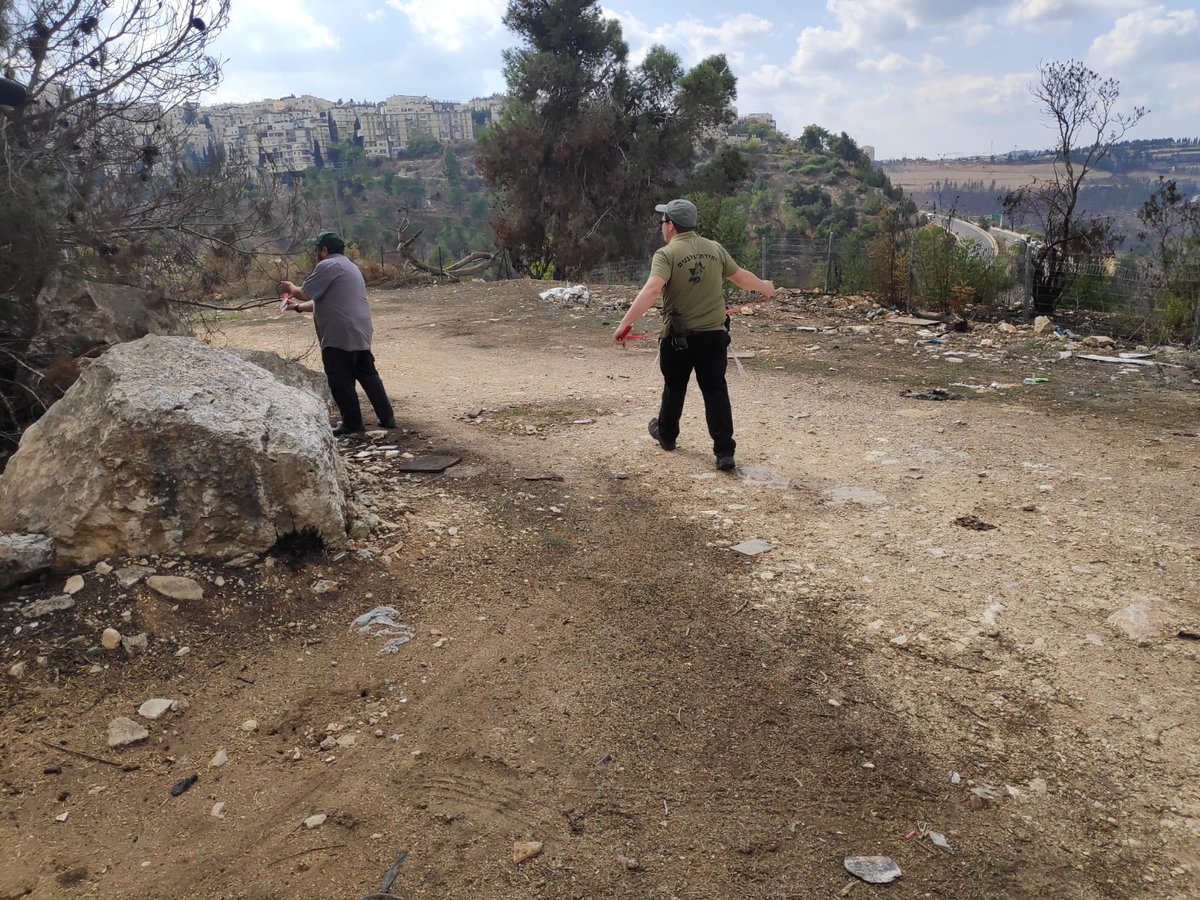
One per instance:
(1134,297)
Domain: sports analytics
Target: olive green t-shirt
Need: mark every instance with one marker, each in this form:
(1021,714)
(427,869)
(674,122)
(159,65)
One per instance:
(694,269)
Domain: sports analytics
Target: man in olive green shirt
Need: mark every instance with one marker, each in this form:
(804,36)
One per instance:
(688,272)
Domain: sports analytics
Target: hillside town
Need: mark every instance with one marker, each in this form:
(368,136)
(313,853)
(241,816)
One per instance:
(293,133)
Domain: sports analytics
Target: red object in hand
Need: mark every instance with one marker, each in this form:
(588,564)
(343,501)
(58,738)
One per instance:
(623,332)
(285,301)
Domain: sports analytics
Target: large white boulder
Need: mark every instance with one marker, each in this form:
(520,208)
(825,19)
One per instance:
(167,445)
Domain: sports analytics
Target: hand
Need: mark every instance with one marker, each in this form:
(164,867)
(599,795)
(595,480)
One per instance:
(285,287)
(622,334)
(769,290)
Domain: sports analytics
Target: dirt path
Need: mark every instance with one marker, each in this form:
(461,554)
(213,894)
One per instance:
(594,669)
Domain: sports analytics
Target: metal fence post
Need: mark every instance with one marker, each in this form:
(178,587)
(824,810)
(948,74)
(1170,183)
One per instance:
(762,256)
(1196,321)
(828,260)
(1028,305)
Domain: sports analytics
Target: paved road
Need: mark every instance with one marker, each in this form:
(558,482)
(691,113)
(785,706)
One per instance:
(965,231)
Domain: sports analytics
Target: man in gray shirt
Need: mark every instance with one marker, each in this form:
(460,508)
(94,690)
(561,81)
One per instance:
(336,294)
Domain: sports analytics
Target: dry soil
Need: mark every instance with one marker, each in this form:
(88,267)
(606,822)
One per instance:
(925,649)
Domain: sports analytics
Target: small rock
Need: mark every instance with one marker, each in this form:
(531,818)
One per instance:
(325,587)
(899,640)
(17,670)
(176,587)
(872,869)
(110,639)
(156,708)
(219,759)
(39,608)
(74,585)
(440,643)
(123,731)
(249,725)
(347,740)
(315,821)
(103,568)
(61,817)
(128,576)
(630,863)
(218,810)
(182,651)
(525,850)
(136,644)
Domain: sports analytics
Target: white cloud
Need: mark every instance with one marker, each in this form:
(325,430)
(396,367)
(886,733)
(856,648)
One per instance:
(731,36)
(1153,35)
(265,26)
(1038,13)
(452,29)
(375,16)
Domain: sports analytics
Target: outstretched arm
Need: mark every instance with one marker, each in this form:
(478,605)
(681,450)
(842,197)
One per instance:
(650,292)
(748,281)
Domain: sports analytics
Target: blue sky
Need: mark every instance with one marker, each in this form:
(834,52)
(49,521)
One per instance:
(909,77)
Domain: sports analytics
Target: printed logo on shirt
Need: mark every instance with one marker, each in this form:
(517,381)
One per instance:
(697,273)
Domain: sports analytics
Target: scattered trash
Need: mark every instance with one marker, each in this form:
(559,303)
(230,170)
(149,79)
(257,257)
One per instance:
(380,620)
(1189,635)
(1117,359)
(390,877)
(872,869)
(576,294)
(543,476)
(394,644)
(1036,379)
(183,784)
(974,523)
(384,621)
(752,547)
(932,394)
(955,778)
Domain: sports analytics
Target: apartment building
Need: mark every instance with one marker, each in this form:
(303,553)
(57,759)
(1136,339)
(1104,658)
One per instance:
(290,132)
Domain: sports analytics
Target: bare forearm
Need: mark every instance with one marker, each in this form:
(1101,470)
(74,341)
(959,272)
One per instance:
(641,303)
(748,281)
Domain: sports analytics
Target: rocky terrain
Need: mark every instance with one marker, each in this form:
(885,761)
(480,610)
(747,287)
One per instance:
(945,612)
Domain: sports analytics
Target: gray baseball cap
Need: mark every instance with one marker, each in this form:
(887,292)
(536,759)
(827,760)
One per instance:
(681,212)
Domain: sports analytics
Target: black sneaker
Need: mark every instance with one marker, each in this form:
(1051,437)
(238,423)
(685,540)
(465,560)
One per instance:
(726,463)
(662,442)
(341,430)
(388,426)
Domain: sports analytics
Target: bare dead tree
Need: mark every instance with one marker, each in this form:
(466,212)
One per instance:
(1081,108)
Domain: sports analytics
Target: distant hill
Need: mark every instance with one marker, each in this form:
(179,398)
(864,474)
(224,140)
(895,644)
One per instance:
(1118,187)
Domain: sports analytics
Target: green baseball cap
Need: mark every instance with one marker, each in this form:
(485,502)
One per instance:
(681,212)
(331,241)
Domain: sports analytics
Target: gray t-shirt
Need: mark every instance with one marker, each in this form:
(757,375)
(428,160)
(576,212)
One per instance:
(340,309)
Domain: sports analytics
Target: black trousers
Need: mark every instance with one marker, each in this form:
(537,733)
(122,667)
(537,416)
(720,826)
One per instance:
(705,355)
(345,367)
